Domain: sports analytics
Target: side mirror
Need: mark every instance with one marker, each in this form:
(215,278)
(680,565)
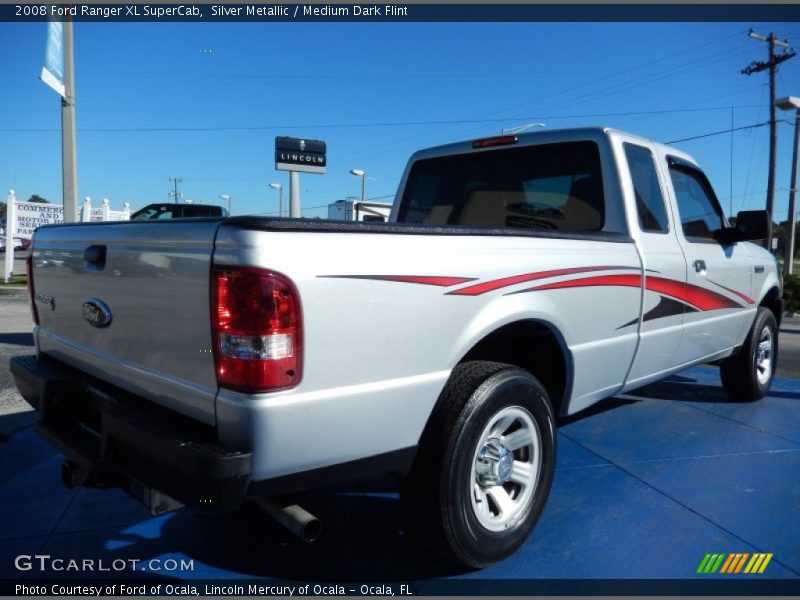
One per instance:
(753,224)
(750,225)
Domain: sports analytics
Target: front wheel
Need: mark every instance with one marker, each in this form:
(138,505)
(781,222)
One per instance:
(747,375)
(485,464)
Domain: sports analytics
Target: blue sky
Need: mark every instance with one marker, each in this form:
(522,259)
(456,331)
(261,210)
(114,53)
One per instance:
(375,92)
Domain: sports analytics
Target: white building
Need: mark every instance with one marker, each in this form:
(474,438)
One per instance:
(355,210)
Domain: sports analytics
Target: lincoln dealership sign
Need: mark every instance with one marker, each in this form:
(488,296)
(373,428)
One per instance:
(295,154)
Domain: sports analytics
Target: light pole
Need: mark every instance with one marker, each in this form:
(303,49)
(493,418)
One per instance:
(520,128)
(279,187)
(791,103)
(228,198)
(363,174)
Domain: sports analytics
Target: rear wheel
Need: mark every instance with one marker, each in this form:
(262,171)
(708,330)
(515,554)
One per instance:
(485,464)
(747,375)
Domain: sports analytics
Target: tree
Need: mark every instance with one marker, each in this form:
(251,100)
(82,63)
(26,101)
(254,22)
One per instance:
(39,199)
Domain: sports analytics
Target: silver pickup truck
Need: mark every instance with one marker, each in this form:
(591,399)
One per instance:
(209,361)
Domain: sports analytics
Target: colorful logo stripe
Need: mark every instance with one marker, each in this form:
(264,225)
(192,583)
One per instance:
(735,563)
(710,563)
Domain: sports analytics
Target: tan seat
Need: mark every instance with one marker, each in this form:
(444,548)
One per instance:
(583,209)
(439,214)
(489,207)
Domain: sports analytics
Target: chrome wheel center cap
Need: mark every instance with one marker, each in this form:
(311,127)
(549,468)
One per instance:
(494,465)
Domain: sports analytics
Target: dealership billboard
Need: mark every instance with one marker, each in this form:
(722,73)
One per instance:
(299,155)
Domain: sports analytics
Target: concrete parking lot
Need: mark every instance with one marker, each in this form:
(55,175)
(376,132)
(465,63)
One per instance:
(646,485)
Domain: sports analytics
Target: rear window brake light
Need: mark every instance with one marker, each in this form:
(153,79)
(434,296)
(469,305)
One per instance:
(498,140)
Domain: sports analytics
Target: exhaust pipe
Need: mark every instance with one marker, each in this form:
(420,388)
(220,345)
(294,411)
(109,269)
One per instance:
(295,518)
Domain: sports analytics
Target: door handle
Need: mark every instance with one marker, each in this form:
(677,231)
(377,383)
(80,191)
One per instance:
(94,258)
(700,266)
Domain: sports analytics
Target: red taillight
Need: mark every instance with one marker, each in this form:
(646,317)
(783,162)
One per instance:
(31,291)
(258,330)
(499,140)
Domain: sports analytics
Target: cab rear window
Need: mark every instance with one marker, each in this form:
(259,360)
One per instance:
(555,187)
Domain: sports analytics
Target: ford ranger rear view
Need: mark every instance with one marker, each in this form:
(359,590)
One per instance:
(205,362)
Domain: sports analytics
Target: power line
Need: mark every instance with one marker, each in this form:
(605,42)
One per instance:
(649,77)
(379,124)
(713,133)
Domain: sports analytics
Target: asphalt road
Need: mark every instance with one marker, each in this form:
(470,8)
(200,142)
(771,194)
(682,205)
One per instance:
(789,348)
(16,339)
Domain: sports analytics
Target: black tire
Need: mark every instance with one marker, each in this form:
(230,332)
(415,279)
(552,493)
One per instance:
(743,374)
(441,490)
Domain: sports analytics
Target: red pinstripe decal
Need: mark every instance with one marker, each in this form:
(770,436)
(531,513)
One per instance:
(489,286)
(693,295)
(744,297)
(420,279)
(601,280)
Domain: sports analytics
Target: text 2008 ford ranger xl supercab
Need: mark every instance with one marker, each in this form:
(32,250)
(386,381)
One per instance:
(522,277)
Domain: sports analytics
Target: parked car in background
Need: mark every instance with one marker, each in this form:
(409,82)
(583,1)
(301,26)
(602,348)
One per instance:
(19,243)
(177,211)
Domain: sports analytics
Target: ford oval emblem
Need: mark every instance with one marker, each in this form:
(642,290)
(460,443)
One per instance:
(96,313)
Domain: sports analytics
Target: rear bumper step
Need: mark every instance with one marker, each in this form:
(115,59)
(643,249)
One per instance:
(113,438)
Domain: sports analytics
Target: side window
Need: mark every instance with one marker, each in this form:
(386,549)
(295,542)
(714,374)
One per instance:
(699,210)
(649,199)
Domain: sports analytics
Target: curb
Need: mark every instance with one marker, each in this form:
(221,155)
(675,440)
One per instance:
(16,291)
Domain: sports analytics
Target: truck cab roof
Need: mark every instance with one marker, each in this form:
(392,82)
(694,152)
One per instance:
(545,136)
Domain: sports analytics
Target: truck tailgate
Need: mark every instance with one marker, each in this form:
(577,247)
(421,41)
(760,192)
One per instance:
(152,278)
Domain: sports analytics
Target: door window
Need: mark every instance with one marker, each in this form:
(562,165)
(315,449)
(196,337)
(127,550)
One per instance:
(649,199)
(699,210)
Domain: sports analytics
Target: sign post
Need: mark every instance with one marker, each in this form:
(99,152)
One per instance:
(11,230)
(58,73)
(299,156)
(294,194)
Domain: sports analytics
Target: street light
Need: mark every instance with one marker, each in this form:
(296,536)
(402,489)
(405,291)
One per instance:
(228,198)
(363,174)
(279,187)
(791,103)
(520,128)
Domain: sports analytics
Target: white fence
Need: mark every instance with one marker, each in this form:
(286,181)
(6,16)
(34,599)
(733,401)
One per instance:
(22,219)
(104,212)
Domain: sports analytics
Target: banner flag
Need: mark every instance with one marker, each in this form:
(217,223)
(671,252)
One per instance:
(53,70)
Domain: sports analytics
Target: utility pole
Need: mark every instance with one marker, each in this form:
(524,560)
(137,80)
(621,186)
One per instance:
(68,149)
(176,193)
(793,104)
(772,66)
(791,221)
